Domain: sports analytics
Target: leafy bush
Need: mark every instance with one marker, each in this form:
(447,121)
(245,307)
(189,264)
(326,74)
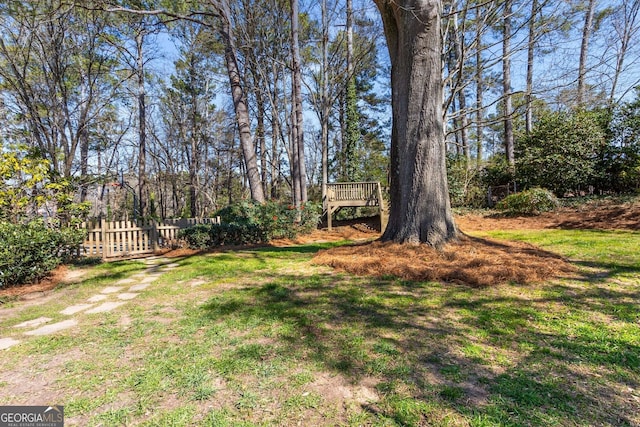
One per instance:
(197,237)
(250,223)
(27,185)
(562,152)
(204,236)
(465,184)
(529,202)
(30,251)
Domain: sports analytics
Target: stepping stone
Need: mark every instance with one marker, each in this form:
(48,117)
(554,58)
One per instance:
(172,265)
(104,307)
(196,283)
(75,309)
(7,342)
(126,281)
(33,323)
(150,278)
(154,261)
(97,298)
(54,327)
(111,289)
(127,296)
(140,287)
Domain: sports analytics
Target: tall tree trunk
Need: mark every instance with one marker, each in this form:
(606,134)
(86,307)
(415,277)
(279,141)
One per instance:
(420,207)
(325,107)
(143,191)
(458,41)
(479,91)
(195,142)
(352,126)
(240,106)
(584,50)
(300,172)
(506,85)
(530,59)
(260,134)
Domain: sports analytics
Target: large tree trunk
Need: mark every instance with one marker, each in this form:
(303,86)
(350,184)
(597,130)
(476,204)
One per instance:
(325,107)
(420,206)
(240,105)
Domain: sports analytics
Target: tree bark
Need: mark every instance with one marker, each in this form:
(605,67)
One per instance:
(420,207)
(240,106)
(325,107)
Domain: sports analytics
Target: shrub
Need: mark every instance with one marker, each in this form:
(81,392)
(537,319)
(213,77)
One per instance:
(251,223)
(30,251)
(205,236)
(562,151)
(529,202)
(197,237)
(465,184)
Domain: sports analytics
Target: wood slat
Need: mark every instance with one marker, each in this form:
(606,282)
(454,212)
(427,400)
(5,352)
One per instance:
(110,239)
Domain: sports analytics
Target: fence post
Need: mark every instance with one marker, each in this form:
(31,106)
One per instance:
(155,235)
(103,238)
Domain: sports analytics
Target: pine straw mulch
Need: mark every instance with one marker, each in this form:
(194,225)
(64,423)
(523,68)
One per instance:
(471,261)
(594,215)
(48,283)
(484,262)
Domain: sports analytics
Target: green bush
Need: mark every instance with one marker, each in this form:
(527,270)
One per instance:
(205,236)
(197,237)
(466,188)
(562,152)
(251,223)
(529,202)
(30,251)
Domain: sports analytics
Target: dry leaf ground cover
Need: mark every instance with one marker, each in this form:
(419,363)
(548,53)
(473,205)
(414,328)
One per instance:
(264,336)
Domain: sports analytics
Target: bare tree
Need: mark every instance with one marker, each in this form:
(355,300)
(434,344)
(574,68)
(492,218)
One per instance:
(584,50)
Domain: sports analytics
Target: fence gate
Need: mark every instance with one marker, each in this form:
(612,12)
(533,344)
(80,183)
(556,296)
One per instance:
(121,239)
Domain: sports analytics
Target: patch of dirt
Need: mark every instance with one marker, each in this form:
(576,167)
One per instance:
(472,261)
(335,388)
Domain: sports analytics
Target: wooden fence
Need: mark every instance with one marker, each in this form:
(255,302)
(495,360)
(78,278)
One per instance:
(119,239)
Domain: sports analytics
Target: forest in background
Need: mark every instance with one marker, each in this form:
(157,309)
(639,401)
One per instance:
(135,108)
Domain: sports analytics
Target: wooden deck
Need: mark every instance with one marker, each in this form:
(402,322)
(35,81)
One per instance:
(354,194)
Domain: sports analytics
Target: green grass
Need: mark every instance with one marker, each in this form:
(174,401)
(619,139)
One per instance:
(269,339)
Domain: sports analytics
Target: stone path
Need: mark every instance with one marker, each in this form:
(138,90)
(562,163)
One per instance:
(110,297)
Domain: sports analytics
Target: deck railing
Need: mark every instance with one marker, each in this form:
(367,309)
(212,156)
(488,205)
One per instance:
(354,194)
(346,191)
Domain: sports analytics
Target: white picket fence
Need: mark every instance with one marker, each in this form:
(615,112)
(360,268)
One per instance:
(121,239)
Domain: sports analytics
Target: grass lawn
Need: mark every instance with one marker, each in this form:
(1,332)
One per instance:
(264,337)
